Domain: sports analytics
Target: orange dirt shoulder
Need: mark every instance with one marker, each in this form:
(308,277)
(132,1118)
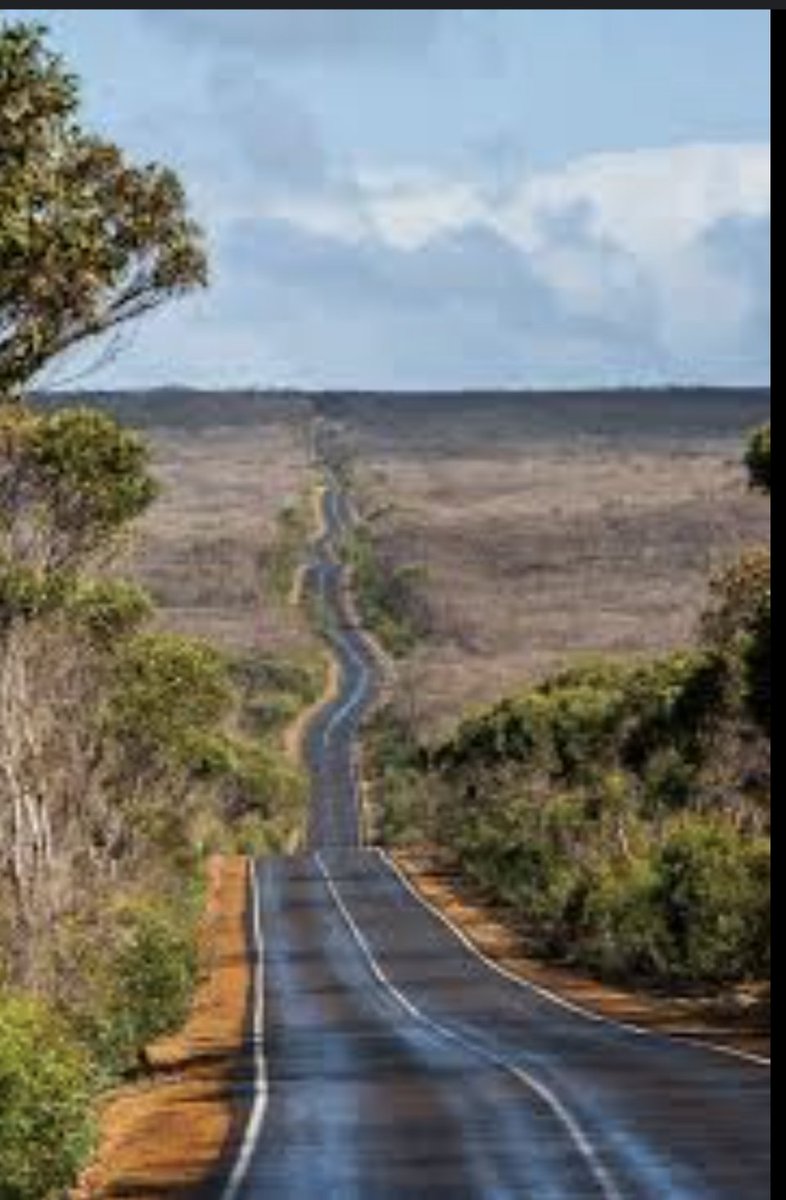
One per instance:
(738,1020)
(164,1137)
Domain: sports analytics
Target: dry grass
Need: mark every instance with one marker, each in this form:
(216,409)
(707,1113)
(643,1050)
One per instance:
(203,547)
(554,526)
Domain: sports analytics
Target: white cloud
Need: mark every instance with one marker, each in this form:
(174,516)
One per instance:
(651,202)
(644,267)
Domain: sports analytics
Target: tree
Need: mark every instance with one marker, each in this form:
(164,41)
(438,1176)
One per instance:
(70,482)
(757,459)
(88,241)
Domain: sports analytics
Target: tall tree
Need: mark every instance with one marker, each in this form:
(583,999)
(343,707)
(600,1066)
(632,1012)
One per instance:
(88,240)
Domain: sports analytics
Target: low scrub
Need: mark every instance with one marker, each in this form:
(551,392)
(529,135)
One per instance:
(46,1097)
(608,806)
(138,984)
(389,597)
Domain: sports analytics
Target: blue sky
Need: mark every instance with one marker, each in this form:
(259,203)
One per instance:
(449,198)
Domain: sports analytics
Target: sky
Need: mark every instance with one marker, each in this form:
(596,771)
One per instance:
(447,198)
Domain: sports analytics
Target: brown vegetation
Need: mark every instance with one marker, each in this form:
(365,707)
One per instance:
(203,549)
(551,526)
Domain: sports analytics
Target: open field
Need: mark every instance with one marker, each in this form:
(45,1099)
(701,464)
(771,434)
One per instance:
(227,465)
(552,525)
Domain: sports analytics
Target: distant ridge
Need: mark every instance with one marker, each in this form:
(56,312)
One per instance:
(180,406)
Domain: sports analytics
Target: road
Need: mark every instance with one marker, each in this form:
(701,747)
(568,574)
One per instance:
(393,1063)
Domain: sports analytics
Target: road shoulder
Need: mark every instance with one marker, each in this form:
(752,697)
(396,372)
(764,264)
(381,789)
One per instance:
(736,1021)
(164,1136)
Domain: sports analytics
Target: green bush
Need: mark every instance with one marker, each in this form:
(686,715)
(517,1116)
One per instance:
(712,890)
(46,1093)
(389,597)
(758,458)
(139,988)
(155,973)
(757,665)
(622,929)
(669,783)
(168,690)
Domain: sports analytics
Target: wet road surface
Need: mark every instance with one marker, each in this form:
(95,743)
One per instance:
(396,1065)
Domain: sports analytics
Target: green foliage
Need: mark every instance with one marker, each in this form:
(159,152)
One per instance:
(736,595)
(29,593)
(401,796)
(757,665)
(581,803)
(670,781)
(136,983)
(582,721)
(738,622)
(712,887)
(758,459)
(387,595)
(169,691)
(91,472)
(70,481)
(87,240)
(154,974)
(108,610)
(293,528)
(274,690)
(46,1093)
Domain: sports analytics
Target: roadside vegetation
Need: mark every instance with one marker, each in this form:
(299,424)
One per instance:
(128,753)
(622,808)
(388,595)
(388,592)
(285,555)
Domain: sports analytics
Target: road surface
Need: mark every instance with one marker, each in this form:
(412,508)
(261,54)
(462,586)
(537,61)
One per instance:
(394,1064)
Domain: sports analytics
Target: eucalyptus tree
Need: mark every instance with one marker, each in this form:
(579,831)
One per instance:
(88,240)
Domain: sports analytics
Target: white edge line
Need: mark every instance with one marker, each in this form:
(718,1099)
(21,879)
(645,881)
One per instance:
(577,1135)
(261,1085)
(553,997)
(354,700)
(537,989)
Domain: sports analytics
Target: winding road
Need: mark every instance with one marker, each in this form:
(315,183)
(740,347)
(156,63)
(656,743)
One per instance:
(394,1063)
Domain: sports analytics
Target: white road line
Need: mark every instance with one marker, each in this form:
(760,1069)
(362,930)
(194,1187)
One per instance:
(578,1137)
(261,1084)
(544,993)
(553,997)
(355,698)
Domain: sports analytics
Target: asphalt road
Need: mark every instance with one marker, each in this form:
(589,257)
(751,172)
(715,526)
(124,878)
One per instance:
(394,1064)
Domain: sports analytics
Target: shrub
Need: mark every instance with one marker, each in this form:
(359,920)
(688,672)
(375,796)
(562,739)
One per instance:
(623,931)
(673,702)
(46,1091)
(669,782)
(737,593)
(168,690)
(757,665)
(139,988)
(712,890)
(758,459)
(155,973)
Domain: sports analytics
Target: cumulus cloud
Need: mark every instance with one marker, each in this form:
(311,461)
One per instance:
(650,201)
(465,308)
(647,267)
